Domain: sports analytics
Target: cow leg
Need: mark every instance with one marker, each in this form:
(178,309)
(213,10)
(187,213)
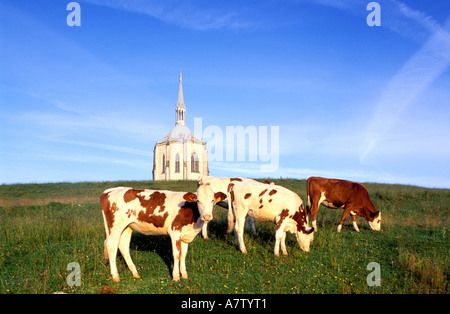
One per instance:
(353,215)
(124,247)
(112,244)
(280,238)
(314,204)
(205,230)
(239,232)
(344,216)
(176,250)
(283,244)
(105,250)
(230,218)
(184,249)
(253,225)
(250,225)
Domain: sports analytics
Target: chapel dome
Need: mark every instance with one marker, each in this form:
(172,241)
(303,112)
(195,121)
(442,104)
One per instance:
(180,133)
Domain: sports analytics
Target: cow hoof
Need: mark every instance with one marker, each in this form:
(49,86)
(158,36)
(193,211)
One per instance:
(116,279)
(176,279)
(184,276)
(136,276)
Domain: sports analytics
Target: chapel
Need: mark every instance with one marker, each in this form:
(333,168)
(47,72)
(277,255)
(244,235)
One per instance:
(180,155)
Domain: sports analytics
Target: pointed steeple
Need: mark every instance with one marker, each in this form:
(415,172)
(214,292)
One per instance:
(180,108)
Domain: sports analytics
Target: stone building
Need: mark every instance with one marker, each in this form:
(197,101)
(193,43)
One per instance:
(180,155)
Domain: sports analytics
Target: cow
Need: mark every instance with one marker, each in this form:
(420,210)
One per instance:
(351,196)
(272,203)
(221,185)
(179,214)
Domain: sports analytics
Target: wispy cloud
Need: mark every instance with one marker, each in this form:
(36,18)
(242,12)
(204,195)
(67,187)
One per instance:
(416,75)
(395,15)
(408,22)
(81,158)
(251,171)
(199,15)
(116,148)
(366,176)
(417,17)
(112,125)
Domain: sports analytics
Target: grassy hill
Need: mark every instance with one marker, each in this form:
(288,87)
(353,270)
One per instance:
(44,227)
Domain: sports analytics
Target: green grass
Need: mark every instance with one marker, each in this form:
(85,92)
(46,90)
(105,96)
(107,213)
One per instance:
(44,227)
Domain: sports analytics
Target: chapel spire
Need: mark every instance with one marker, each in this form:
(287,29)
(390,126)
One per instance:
(180,108)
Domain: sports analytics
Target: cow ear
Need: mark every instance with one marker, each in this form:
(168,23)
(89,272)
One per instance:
(190,197)
(219,196)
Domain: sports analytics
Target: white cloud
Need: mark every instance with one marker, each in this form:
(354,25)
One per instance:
(339,139)
(416,75)
(109,125)
(189,14)
(227,169)
(116,148)
(366,176)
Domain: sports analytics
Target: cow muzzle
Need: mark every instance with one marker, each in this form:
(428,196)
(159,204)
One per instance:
(206,217)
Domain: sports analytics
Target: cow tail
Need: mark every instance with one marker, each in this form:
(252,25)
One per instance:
(106,225)
(308,202)
(104,204)
(230,208)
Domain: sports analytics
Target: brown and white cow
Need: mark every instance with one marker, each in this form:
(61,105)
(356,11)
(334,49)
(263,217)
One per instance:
(221,185)
(272,203)
(179,214)
(351,196)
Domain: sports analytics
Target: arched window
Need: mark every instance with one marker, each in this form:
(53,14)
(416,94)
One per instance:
(177,162)
(163,164)
(194,163)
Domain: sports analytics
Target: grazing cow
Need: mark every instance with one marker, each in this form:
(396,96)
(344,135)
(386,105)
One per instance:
(270,203)
(178,214)
(351,196)
(221,185)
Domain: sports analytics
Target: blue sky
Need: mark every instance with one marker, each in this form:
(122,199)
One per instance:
(88,103)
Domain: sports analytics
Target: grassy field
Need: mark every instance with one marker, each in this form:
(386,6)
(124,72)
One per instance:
(44,227)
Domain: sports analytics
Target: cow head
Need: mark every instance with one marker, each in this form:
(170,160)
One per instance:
(305,238)
(375,223)
(205,198)
(304,234)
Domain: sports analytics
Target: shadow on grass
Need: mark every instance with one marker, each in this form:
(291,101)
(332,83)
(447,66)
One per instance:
(265,234)
(217,231)
(162,245)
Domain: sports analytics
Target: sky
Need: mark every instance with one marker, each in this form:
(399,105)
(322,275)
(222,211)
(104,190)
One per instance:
(344,99)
